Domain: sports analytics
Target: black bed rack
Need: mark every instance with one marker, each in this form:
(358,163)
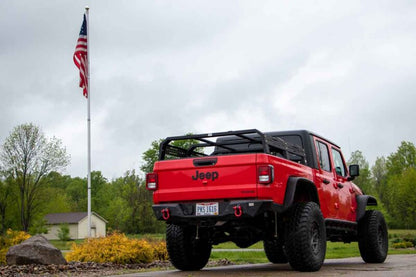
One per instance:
(224,144)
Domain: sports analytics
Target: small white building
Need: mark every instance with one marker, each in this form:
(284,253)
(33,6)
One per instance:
(77,223)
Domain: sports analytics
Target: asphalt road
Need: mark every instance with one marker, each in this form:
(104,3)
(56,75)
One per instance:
(395,265)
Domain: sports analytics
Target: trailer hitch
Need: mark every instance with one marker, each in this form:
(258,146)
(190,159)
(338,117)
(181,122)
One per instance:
(238,211)
(165,214)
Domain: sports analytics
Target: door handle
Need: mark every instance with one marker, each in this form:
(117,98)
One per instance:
(340,185)
(325,181)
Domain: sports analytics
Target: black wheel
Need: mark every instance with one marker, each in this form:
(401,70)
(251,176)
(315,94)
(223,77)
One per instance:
(185,251)
(372,237)
(305,243)
(275,251)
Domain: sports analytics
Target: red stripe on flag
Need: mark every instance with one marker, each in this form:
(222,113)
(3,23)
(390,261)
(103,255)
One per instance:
(81,58)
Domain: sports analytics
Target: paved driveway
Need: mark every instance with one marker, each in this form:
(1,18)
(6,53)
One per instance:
(395,265)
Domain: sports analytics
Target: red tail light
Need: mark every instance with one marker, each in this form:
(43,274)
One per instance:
(151,181)
(265,174)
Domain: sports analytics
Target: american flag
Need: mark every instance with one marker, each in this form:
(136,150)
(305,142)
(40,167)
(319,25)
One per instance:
(81,57)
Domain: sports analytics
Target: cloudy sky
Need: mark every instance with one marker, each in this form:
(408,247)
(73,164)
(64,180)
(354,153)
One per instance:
(345,70)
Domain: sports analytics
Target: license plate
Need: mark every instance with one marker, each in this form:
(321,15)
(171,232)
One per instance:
(207,208)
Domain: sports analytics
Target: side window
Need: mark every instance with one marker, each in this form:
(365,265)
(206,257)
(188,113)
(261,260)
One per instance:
(323,156)
(338,163)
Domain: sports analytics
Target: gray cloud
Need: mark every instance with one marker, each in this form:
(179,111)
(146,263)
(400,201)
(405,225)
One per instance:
(161,68)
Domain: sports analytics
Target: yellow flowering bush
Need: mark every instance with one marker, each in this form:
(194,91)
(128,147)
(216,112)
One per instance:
(403,244)
(115,248)
(160,252)
(11,238)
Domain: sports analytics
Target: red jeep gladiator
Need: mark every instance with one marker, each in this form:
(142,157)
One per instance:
(290,189)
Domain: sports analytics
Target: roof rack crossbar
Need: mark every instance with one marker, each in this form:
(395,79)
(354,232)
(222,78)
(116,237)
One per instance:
(251,135)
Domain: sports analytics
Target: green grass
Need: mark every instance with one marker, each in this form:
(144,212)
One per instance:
(231,245)
(338,250)
(401,233)
(148,237)
(65,245)
(241,257)
(335,250)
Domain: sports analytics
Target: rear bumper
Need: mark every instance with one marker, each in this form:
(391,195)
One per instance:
(237,209)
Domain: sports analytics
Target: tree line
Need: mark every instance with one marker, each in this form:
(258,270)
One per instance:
(32,185)
(392,180)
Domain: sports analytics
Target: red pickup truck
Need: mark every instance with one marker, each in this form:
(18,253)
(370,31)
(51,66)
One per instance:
(290,189)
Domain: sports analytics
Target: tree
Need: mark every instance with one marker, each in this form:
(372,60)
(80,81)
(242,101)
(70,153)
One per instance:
(98,191)
(364,180)
(151,155)
(379,172)
(26,157)
(402,199)
(127,205)
(148,222)
(128,187)
(77,193)
(5,195)
(63,232)
(399,195)
(403,158)
(39,227)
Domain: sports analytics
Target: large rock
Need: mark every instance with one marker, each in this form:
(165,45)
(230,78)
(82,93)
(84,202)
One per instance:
(35,250)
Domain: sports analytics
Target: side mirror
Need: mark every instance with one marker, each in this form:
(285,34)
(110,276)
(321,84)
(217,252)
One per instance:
(354,171)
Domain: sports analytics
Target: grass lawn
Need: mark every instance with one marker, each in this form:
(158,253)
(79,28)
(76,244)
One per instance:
(149,237)
(334,249)
(65,245)
(240,257)
(231,245)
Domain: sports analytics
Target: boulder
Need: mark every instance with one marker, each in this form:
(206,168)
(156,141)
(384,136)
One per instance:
(35,250)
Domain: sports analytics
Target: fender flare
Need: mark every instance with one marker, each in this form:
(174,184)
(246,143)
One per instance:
(292,184)
(362,202)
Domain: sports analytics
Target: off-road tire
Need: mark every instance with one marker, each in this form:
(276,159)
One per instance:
(305,242)
(274,250)
(185,251)
(372,237)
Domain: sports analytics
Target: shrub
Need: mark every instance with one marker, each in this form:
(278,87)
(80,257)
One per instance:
(11,238)
(396,240)
(410,239)
(63,232)
(160,252)
(39,227)
(116,248)
(404,241)
(403,244)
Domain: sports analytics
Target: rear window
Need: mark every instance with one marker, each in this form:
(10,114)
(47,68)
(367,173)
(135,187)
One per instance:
(242,146)
(235,145)
(295,140)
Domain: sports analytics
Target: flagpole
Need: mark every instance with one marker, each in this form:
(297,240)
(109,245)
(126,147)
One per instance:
(89,121)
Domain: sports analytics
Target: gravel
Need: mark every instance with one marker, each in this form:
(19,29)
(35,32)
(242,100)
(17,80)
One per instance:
(88,269)
(76,269)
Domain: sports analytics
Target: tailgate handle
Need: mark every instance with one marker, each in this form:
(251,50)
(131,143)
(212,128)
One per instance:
(205,162)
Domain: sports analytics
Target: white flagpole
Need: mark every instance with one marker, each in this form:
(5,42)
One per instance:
(89,122)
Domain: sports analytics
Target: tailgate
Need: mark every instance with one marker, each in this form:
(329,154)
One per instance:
(219,177)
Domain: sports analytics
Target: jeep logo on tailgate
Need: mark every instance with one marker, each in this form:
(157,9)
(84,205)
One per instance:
(205,175)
